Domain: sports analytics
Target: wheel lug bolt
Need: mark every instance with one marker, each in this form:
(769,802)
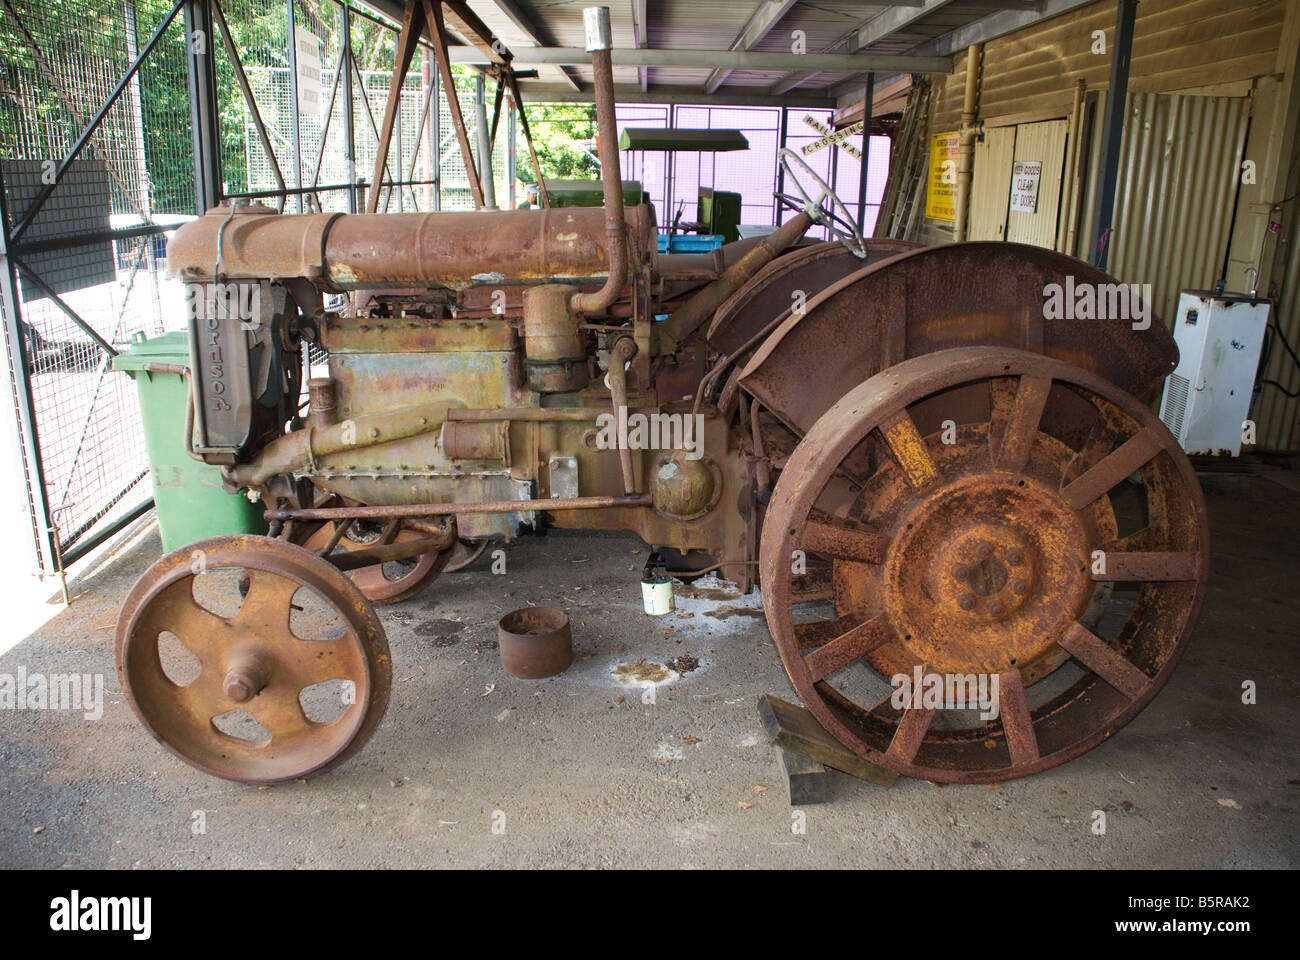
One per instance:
(1019,587)
(966,601)
(1013,555)
(983,551)
(960,571)
(995,607)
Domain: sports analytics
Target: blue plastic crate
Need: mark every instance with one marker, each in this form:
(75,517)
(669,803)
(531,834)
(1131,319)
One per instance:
(689,243)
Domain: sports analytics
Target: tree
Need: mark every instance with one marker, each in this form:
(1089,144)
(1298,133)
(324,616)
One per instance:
(563,135)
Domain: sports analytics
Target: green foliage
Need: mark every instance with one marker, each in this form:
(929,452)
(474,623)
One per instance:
(559,130)
(165,106)
(262,39)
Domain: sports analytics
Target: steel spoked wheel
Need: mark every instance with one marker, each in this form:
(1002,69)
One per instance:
(984,529)
(282,677)
(395,580)
(464,553)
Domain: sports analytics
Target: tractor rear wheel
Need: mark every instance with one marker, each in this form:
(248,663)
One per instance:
(980,552)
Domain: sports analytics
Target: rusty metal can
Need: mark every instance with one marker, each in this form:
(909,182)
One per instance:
(535,642)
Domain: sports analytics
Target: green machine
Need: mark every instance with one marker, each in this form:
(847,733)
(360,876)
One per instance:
(719,213)
(718,210)
(587,193)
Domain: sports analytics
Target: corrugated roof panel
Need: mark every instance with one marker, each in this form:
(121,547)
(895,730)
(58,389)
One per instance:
(823,24)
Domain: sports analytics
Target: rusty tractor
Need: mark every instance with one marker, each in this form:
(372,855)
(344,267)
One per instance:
(925,474)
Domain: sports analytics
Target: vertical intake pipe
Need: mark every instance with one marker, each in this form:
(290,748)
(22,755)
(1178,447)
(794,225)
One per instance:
(599,42)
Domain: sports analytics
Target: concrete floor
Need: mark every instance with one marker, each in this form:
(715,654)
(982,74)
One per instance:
(586,775)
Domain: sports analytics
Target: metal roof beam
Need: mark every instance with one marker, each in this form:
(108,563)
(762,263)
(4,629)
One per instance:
(640,39)
(737,60)
(463,27)
(765,16)
(993,26)
(464,21)
(792,80)
(676,93)
(891,21)
(526,26)
(1031,6)
(905,11)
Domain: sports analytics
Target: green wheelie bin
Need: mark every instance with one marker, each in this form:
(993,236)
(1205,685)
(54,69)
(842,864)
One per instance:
(188,496)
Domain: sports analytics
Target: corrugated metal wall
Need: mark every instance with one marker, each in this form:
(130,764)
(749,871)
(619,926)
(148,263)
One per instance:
(1178,45)
(1177,180)
(1277,415)
(1181,151)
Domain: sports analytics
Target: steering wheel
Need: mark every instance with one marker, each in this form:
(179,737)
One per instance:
(841,227)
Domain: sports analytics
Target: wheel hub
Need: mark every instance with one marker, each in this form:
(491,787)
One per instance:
(246,677)
(985,574)
(989,574)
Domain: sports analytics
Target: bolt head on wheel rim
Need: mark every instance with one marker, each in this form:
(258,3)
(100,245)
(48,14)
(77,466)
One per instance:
(251,659)
(979,549)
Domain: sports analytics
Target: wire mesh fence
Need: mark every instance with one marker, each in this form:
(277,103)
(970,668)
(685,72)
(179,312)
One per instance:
(87,248)
(86,236)
(423,157)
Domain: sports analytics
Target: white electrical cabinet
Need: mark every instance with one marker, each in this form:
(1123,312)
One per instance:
(1207,397)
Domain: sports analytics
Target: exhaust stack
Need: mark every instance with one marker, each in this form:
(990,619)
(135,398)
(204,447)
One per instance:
(599,42)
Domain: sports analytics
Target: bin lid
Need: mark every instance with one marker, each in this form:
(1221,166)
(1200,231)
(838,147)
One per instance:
(173,348)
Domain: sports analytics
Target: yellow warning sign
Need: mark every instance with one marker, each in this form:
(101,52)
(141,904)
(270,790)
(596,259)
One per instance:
(941,185)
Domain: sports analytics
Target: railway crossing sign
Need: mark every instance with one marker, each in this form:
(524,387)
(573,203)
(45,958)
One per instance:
(831,137)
